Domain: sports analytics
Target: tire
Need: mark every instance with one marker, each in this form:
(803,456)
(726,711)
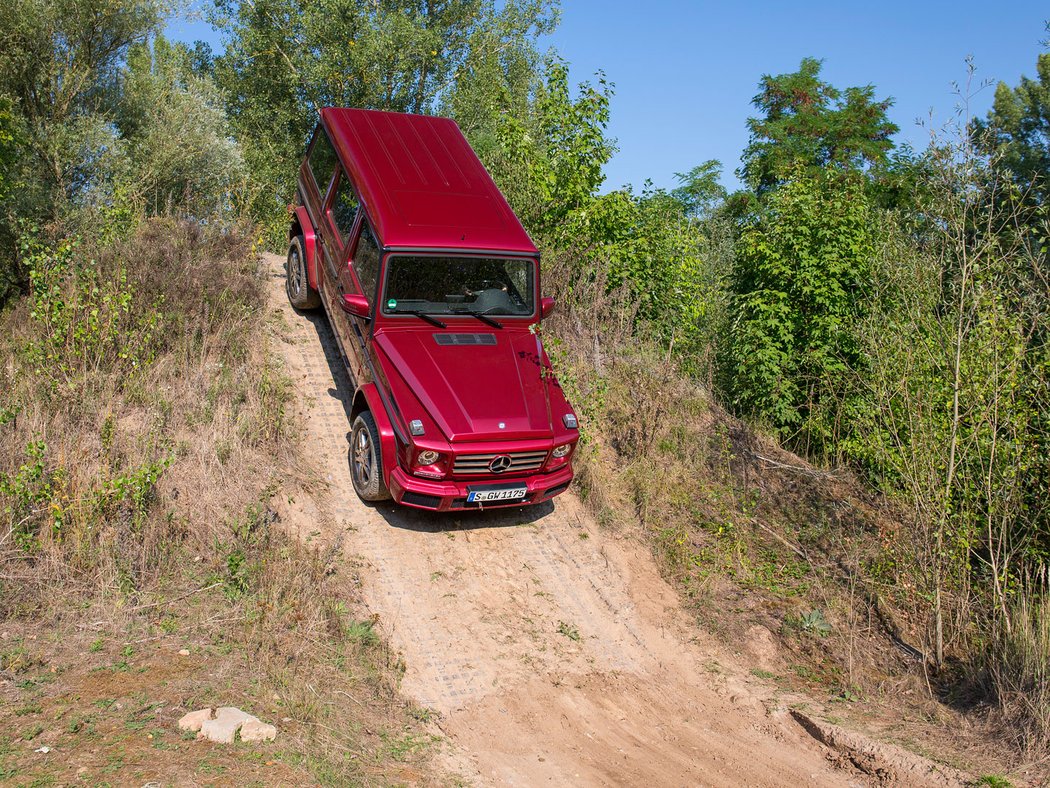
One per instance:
(296,281)
(366,460)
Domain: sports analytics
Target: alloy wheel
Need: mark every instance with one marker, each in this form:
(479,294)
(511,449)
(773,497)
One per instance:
(364,458)
(295,272)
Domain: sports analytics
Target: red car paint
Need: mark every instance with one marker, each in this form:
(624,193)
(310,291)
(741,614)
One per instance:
(422,182)
(474,389)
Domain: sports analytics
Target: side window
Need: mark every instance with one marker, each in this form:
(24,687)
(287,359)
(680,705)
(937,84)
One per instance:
(344,207)
(366,260)
(322,161)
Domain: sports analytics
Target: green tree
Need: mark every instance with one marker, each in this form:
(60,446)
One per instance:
(9,139)
(700,191)
(574,135)
(269,100)
(1017,129)
(181,155)
(955,374)
(9,148)
(502,71)
(806,122)
(60,62)
(550,156)
(494,101)
(799,285)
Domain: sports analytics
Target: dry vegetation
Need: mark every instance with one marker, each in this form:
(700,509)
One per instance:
(143,455)
(767,548)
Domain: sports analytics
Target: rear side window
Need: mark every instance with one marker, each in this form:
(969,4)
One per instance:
(344,207)
(366,260)
(322,161)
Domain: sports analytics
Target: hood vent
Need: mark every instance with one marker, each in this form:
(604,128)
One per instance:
(465,339)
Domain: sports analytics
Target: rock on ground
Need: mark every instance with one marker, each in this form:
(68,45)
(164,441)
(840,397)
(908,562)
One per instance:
(222,725)
(256,730)
(223,729)
(194,720)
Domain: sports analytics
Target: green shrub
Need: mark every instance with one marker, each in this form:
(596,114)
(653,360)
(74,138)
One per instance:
(90,320)
(45,501)
(799,286)
(28,496)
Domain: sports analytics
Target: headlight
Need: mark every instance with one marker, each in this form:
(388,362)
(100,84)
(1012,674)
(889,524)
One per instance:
(561,451)
(427,457)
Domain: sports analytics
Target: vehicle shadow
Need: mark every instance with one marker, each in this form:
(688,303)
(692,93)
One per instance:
(402,516)
(445,522)
(343,390)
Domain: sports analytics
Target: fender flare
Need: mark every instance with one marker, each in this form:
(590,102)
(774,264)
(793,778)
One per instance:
(302,219)
(369,398)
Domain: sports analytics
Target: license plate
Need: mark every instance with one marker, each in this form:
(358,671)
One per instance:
(500,494)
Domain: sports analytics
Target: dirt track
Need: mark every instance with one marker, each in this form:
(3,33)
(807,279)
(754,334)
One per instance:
(552,651)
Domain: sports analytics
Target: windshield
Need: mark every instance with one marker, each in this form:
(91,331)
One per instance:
(447,285)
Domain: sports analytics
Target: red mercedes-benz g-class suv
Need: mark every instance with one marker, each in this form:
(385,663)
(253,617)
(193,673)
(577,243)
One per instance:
(431,286)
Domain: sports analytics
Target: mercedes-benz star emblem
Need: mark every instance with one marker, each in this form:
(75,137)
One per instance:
(499,464)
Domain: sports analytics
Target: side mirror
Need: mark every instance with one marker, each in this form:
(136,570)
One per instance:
(546,306)
(354,304)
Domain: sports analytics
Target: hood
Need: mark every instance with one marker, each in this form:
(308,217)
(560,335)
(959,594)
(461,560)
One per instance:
(471,382)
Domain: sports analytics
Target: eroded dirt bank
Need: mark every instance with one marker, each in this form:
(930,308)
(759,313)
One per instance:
(551,651)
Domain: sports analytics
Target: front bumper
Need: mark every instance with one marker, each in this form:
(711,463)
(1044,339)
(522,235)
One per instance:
(445,496)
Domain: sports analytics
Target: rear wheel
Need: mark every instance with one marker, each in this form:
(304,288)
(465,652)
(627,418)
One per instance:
(366,459)
(297,283)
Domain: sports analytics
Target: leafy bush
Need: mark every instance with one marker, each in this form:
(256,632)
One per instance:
(28,494)
(89,321)
(799,286)
(46,505)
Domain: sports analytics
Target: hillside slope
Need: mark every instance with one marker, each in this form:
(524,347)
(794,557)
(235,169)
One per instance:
(547,648)
(143,574)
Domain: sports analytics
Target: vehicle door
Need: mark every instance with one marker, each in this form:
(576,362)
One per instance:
(342,223)
(362,276)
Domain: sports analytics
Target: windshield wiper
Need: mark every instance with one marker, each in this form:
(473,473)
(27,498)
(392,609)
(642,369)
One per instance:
(479,314)
(423,315)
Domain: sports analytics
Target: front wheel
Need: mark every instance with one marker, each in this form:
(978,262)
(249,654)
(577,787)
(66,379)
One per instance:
(366,460)
(297,283)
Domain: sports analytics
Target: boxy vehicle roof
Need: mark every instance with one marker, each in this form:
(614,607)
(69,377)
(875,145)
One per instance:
(422,183)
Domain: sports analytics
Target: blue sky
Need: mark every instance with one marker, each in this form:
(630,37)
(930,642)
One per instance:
(685,72)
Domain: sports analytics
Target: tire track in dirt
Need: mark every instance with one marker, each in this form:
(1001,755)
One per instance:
(552,651)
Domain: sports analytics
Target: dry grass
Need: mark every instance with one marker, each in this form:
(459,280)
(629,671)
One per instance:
(143,453)
(1016,668)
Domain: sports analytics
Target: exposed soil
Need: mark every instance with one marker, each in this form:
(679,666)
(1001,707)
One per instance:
(551,651)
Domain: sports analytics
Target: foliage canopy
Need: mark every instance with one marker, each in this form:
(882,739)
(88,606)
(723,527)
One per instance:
(806,122)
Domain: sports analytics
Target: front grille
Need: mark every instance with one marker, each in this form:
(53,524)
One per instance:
(479,463)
